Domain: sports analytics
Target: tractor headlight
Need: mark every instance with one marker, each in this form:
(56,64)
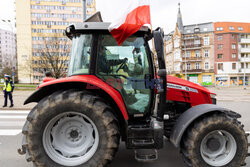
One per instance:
(213,98)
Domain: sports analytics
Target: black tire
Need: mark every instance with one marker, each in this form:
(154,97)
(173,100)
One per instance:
(78,101)
(191,142)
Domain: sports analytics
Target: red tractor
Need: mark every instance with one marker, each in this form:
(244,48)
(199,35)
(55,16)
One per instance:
(114,93)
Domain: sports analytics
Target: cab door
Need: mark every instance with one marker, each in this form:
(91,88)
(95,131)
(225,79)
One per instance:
(125,68)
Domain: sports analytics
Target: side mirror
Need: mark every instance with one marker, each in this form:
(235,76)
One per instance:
(158,35)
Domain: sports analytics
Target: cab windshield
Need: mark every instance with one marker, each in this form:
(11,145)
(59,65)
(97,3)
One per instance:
(80,54)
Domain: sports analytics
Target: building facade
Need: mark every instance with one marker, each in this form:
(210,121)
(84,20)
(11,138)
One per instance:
(190,52)
(7,49)
(40,26)
(232,53)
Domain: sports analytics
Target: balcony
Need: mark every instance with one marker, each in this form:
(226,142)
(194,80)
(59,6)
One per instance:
(191,59)
(245,40)
(191,37)
(191,46)
(242,70)
(245,50)
(242,59)
(192,71)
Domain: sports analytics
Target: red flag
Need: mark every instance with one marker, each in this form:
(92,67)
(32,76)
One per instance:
(136,15)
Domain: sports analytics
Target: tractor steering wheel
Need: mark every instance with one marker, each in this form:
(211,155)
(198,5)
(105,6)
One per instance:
(122,65)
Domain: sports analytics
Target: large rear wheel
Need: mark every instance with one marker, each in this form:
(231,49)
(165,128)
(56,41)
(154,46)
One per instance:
(215,141)
(71,128)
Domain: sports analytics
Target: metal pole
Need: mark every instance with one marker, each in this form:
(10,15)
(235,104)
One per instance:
(84,10)
(185,50)
(244,80)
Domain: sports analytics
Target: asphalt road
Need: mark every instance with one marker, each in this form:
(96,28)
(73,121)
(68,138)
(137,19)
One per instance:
(10,140)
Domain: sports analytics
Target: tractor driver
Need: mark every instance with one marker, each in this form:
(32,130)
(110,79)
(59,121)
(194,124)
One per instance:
(104,65)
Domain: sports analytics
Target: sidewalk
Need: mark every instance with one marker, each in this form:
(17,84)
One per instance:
(18,97)
(232,93)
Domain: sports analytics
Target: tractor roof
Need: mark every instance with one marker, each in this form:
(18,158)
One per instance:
(98,26)
(94,23)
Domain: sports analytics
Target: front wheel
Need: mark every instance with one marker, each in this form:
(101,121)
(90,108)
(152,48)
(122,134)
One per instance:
(72,128)
(215,141)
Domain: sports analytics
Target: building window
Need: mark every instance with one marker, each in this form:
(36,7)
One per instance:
(240,28)
(188,53)
(220,56)
(231,28)
(197,53)
(197,66)
(197,42)
(233,46)
(205,29)
(220,46)
(197,30)
(206,41)
(188,66)
(242,65)
(233,36)
(233,55)
(206,53)
(206,65)
(219,37)
(220,66)
(233,66)
(219,28)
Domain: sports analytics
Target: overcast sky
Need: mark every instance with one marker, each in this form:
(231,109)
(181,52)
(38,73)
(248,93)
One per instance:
(164,12)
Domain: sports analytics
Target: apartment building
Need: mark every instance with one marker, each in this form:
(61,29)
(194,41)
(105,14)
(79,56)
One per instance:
(189,51)
(7,49)
(40,22)
(232,53)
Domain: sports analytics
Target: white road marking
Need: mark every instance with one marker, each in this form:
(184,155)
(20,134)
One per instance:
(14,112)
(10,132)
(11,123)
(12,117)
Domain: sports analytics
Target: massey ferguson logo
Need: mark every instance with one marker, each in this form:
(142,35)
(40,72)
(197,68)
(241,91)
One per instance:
(175,86)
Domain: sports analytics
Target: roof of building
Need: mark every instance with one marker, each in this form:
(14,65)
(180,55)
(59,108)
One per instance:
(198,28)
(179,20)
(168,36)
(231,27)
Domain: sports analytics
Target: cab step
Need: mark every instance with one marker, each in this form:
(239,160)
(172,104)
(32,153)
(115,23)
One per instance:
(146,155)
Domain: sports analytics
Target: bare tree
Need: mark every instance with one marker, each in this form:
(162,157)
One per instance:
(52,54)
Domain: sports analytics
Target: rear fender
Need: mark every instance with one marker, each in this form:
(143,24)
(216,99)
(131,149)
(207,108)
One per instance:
(192,114)
(90,83)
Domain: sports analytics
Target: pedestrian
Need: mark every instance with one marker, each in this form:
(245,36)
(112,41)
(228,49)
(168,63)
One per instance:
(8,90)
(48,77)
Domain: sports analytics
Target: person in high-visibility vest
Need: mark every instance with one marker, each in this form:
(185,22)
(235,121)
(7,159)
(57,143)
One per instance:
(8,88)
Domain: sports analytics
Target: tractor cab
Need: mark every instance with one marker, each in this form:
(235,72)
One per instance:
(127,68)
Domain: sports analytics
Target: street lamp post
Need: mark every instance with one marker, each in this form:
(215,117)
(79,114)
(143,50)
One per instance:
(8,22)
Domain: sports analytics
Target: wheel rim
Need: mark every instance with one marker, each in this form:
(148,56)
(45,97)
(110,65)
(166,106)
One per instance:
(70,139)
(218,148)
